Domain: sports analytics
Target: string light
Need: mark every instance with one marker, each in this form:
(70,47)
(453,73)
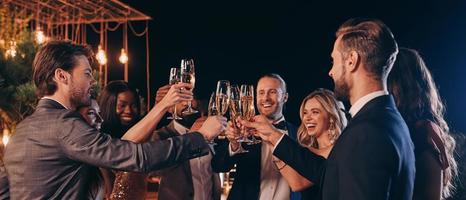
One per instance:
(11,52)
(40,36)
(123,57)
(101,57)
(6,136)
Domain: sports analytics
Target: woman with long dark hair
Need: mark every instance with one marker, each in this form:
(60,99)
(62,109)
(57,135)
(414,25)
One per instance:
(419,102)
(120,110)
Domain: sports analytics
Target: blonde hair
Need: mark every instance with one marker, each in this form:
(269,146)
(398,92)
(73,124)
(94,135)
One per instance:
(332,107)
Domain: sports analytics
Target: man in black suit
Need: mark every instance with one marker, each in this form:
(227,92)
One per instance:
(373,158)
(256,176)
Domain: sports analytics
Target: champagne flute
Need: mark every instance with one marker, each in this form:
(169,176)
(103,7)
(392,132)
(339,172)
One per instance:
(188,76)
(212,108)
(222,96)
(174,79)
(247,109)
(235,109)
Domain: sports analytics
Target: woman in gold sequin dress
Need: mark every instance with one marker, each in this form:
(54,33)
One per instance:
(120,109)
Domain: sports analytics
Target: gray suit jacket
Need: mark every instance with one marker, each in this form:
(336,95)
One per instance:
(177,182)
(53,154)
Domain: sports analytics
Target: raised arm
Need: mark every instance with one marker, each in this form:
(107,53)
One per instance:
(83,143)
(295,180)
(306,163)
(146,126)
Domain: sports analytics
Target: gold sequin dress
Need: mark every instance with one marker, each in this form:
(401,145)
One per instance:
(129,185)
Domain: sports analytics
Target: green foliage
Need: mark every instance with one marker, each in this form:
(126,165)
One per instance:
(18,97)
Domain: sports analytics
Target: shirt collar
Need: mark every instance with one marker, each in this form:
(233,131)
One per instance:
(56,101)
(180,128)
(279,120)
(356,107)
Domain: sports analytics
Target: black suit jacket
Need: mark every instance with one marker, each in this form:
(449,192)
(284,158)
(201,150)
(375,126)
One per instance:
(246,183)
(372,159)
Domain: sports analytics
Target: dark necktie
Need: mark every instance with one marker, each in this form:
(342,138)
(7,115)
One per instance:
(281,125)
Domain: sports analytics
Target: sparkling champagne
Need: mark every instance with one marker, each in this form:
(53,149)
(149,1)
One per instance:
(235,108)
(222,101)
(247,107)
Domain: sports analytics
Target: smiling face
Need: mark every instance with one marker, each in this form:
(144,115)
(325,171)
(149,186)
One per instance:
(315,118)
(81,82)
(126,108)
(270,98)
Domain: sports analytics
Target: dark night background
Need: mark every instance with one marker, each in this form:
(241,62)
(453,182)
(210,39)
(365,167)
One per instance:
(240,40)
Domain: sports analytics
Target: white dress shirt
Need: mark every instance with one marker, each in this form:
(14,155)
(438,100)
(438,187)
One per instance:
(356,107)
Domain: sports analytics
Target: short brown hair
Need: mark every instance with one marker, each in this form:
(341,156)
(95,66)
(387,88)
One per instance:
(276,77)
(54,55)
(373,41)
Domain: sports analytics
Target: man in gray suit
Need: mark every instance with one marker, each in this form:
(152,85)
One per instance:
(53,153)
(189,180)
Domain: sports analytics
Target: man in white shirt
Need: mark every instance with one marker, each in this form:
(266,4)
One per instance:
(256,175)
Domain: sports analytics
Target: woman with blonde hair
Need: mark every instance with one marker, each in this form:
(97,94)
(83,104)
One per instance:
(322,120)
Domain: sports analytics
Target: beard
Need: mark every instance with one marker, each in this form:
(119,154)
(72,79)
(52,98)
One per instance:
(79,97)
(341,89)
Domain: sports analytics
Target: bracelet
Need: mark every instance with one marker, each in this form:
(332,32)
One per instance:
(276,162)
(280,168)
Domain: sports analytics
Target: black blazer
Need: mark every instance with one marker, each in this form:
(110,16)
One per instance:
(246,183)
(372,159)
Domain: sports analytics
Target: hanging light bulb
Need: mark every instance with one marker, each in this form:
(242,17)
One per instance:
(11,52)
(6,136)
(101,57)
(123,57)
(40,36)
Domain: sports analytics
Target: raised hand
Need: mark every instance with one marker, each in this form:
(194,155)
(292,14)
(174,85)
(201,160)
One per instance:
(233,134)
(213,126)
(174,95)
(161,92)
(262,128)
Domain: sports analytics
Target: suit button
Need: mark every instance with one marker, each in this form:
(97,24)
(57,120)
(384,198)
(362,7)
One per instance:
(191,194)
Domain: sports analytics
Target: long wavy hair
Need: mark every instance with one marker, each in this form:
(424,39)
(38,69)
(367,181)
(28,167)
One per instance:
(417,98)
(334,110)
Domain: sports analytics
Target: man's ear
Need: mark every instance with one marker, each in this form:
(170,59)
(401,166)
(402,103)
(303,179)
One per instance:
(353,60)
(61,76)
(285,97)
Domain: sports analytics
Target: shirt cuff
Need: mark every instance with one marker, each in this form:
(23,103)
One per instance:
(232,153)
(278,142)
